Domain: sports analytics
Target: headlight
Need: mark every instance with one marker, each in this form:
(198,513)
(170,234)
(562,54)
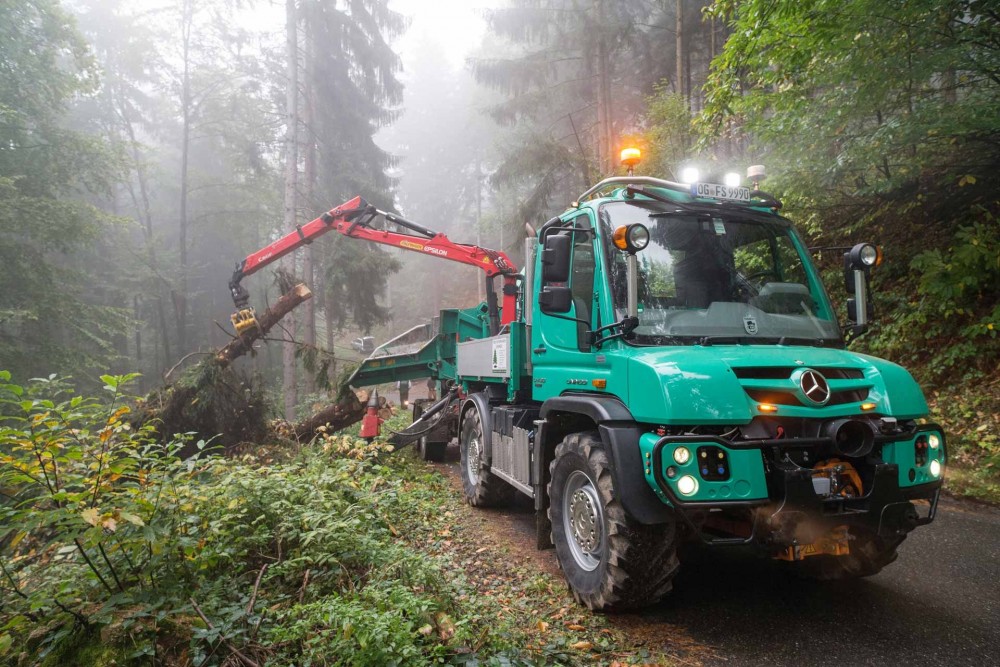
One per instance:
(934,441)
(935,468)
(682,455)
(687,485)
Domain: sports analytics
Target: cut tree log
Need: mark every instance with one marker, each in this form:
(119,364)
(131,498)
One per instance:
(348,410)
(284,305)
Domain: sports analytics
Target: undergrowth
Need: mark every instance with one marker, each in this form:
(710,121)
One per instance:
(114,550)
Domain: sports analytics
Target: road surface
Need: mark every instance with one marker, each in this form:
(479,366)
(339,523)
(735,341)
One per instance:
(938,604)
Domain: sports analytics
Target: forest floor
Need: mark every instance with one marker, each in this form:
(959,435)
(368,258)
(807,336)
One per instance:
(494,549)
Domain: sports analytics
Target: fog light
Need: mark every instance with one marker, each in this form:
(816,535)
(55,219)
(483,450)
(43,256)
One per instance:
(687,485)
(682,455)
(934,441)
(935,468)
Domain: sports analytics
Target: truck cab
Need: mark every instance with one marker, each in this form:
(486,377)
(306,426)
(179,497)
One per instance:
(677,372)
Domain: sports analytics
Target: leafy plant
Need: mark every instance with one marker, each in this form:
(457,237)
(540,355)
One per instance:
(86,514)
(113,546)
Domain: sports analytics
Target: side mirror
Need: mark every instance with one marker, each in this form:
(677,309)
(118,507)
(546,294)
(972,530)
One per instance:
(555,258)
(555,299)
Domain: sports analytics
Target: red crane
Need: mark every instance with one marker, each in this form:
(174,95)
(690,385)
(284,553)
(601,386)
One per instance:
(354,218)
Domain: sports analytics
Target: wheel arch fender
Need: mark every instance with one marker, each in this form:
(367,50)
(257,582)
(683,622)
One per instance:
(619,434)
(479,401)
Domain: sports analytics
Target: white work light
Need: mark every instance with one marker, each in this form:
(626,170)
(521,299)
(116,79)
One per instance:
(690,175)
(732,179)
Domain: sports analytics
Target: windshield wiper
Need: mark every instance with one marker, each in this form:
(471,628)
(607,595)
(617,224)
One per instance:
(657,340)
(708,341)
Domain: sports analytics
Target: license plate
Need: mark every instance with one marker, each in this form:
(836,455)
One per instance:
(717,191)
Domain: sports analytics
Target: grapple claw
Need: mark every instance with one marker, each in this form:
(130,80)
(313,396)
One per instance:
(243,320)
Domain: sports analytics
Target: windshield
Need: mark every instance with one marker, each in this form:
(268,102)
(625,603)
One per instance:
(721,275)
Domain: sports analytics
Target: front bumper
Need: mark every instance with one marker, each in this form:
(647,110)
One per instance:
(793,513)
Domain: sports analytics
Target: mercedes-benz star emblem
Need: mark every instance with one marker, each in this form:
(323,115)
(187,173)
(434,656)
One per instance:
(814,387)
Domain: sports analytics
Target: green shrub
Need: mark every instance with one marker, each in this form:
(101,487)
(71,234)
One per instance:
(950,326)
(115,549)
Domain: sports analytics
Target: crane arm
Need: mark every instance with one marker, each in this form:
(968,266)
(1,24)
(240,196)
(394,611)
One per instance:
(354,218)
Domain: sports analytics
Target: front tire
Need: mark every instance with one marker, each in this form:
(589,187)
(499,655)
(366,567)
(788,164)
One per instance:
(610,560)
(480,487)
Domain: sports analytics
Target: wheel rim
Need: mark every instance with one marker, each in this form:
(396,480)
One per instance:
(473,457)
(583,521)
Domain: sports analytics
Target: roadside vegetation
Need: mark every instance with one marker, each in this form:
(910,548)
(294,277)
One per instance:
(114,550)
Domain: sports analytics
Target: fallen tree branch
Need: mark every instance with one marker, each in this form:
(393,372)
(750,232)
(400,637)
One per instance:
(256,587)
(166,376)
(225,641)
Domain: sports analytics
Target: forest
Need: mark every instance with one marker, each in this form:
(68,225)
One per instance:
(157,507)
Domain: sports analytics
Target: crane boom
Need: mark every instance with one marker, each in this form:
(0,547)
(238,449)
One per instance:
(353,219)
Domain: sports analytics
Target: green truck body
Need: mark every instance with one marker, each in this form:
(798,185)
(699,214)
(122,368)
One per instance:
(695,388)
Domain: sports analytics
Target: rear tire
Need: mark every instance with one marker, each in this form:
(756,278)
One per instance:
(610,560)
(480,487)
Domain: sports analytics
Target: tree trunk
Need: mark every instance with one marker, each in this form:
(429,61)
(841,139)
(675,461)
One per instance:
(145,213)
(180,297)
(679,28)
(284,305)
(349,410)
(291,191)
(309,175)
(603,122)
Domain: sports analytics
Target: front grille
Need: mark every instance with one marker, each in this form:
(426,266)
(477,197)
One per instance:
(785,372)
(782,391)
(788,398)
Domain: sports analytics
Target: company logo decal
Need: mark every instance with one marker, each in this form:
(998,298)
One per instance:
(750,325)
(411,245)
(814,387)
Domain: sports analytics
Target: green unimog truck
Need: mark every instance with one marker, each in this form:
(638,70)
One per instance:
(675,372)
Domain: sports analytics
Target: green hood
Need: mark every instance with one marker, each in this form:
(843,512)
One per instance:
(724,384)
